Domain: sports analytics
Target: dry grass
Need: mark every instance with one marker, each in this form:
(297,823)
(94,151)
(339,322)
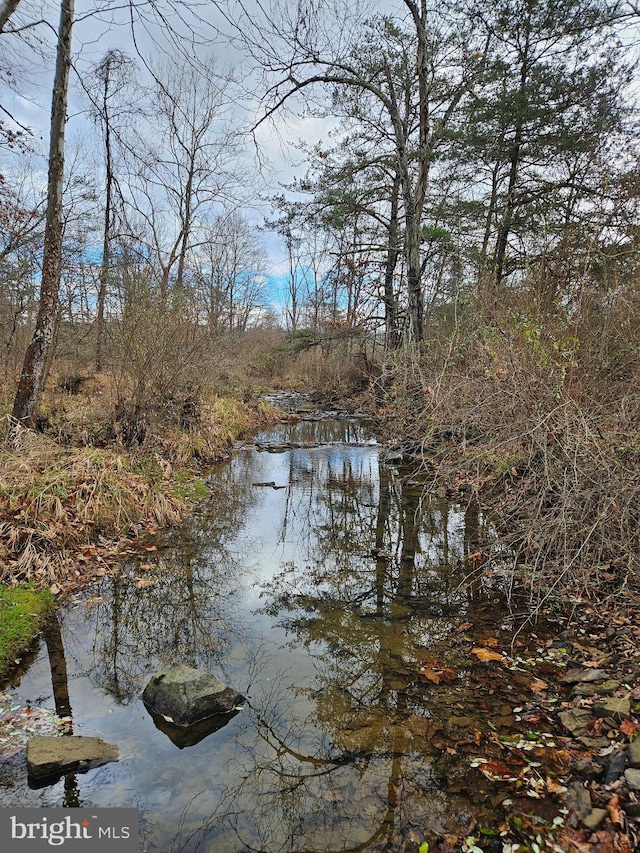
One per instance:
(58,502)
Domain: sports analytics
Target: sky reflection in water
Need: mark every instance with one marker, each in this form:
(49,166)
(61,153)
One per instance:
(318,601)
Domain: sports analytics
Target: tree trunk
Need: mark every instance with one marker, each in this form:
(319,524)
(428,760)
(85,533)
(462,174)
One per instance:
(514,162)
(392,337)
(7,8)
(29,386)
(186,225)
(510,206)
(106,237)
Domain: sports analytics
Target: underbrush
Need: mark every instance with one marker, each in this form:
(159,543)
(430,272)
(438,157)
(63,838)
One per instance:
(543,419)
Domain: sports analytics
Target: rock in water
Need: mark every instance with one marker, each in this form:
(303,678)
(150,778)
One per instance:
(185,696)
(48,755)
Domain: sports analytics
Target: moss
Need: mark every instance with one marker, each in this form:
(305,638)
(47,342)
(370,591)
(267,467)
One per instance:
(23,611)
(189,487)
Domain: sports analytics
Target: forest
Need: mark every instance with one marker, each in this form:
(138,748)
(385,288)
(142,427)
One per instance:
(426,213)
(461,248)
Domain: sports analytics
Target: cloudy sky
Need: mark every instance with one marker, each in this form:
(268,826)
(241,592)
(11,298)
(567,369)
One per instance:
(200,30)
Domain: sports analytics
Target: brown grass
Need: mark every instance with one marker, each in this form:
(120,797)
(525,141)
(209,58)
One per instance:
(58,503)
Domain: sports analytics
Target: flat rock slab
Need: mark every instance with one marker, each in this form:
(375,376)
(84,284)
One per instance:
(619,709)
(575,719)
(573,676)
(633,753)
(594,819)
(50,755)
(579,799)
(597,689)
(185,696)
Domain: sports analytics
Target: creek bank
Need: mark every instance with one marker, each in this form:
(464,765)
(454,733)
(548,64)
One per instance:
(585,680)
(493,728)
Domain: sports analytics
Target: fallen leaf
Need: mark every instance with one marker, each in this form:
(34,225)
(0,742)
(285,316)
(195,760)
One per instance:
(430,675)
(538,686)
(553,786)
(437,672)
(497,771)
(491,642)
(615,812)
(628,727)
(141,583)
(150,547)
(485,654)
(570,841)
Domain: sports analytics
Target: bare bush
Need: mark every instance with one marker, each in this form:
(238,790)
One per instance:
(543,414)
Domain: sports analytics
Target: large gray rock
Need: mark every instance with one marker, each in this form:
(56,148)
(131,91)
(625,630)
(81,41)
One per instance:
(50,755)
(184,696)
(632,777)
(575,719)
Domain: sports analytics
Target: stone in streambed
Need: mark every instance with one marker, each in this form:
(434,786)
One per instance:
(594,819)
(575,720)
(632,777)
(579,799)
(595,689)
(633,753)
(48,755)
(632,809)
(185,696)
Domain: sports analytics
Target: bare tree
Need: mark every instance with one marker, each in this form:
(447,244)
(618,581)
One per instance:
(35,360)
(231,277)
(178,182)
(111,74)
(301,53)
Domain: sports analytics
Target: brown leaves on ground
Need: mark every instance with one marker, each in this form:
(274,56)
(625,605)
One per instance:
(486,654)
(437,672)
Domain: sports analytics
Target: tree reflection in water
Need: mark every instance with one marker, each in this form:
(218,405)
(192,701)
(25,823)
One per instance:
(379,579)
(320,602)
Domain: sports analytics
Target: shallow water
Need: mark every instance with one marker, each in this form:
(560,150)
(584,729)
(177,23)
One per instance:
(319,598)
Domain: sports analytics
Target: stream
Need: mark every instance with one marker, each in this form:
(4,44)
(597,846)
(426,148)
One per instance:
(332,591)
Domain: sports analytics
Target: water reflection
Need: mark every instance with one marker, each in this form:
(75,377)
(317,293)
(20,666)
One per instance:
(319,601)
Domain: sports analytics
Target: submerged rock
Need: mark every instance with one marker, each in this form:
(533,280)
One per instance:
(184,696)
(50,755)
